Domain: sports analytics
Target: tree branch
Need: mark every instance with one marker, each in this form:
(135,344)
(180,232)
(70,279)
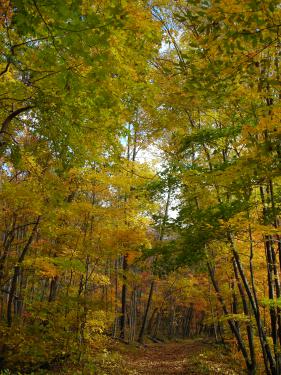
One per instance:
(6,122)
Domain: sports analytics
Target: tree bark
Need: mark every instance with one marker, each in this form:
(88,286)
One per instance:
(144,322)
(17,271)
(232,326)
(124,299)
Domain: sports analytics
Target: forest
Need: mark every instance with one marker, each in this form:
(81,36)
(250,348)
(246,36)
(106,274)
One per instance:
(140,187)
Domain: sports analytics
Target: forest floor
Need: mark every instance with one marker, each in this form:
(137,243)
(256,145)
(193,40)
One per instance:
(189,357)
(182,357)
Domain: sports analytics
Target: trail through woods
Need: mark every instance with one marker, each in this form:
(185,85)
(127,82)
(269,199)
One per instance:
(140,181)
(192,357)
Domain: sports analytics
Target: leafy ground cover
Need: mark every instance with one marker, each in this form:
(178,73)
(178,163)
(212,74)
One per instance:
(189,357)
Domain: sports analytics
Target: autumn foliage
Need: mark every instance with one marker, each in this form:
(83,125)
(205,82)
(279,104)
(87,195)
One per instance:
(139,180)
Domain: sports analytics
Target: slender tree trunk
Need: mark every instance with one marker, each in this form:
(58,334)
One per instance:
(249,328)
(232,325)
(53,289)
(124,299)
(116,299)
(188,320)
(268,358)
(144,322)
(212,312)
(13,287)
(9,238)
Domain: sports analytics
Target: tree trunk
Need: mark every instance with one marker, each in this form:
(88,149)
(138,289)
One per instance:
(232,326)
(144,322)
(268,358)
(53,289)
(13,287)
(246,312)
(124,299)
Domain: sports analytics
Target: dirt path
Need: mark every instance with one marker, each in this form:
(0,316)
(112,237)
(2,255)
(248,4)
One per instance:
(192,357)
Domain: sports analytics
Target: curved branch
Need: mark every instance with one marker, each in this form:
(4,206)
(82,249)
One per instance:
(6,122)
(6,68)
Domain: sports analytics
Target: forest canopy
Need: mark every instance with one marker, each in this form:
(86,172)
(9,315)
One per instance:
(140,151)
